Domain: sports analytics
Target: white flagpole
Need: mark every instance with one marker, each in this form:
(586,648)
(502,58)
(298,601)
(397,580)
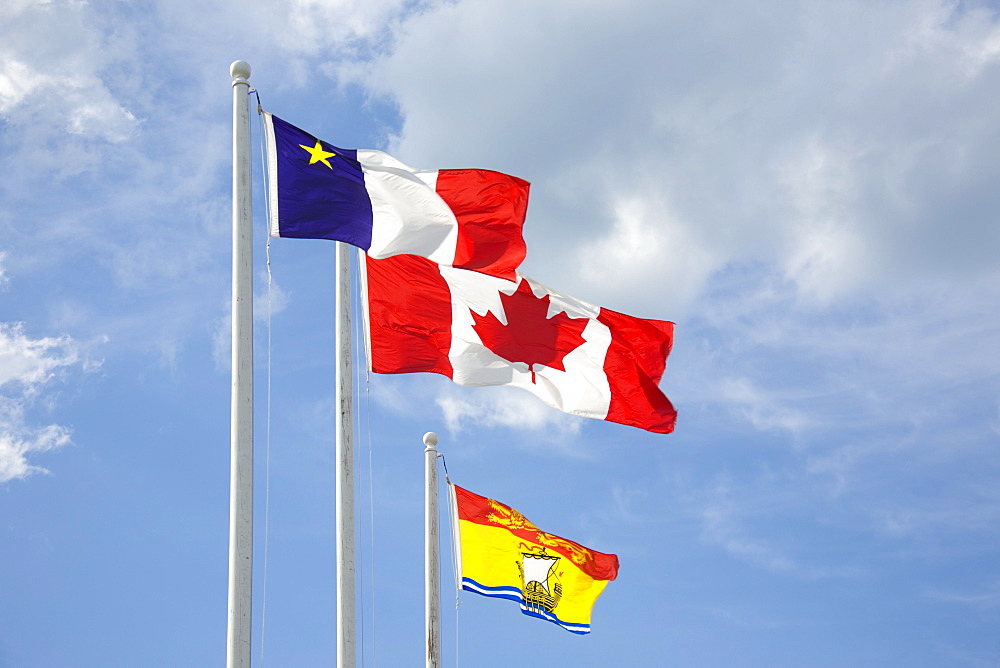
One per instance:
(432,568)
(241,434)
(345,465)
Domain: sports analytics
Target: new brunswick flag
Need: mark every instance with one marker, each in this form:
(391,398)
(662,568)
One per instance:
(503,555)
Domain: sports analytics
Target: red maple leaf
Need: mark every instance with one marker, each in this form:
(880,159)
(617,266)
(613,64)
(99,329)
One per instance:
(530,336)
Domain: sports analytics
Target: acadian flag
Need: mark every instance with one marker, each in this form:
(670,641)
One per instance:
(503,555)
(468,218)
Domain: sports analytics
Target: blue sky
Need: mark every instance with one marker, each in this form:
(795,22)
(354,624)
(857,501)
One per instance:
(807,189)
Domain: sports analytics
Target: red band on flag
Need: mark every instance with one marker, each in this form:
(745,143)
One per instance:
(490,208)
(634,364)
(410,285)
(489,512)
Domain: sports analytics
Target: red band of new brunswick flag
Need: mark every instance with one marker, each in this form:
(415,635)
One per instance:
(503,555)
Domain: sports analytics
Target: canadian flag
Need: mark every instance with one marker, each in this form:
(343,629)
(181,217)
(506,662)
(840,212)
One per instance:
(483,330)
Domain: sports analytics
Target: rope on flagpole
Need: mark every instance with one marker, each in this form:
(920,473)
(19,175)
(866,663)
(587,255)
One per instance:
(267,446)
(356,384)
(454,548)
(359,343)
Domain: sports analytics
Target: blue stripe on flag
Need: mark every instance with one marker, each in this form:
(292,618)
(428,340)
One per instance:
(323,200)
(514,594)
(510,593)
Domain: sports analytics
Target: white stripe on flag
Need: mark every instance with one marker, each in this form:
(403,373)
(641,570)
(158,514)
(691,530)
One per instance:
(582,389)
(408,215)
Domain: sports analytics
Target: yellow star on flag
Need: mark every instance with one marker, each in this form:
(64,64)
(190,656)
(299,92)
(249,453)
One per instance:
(317,154)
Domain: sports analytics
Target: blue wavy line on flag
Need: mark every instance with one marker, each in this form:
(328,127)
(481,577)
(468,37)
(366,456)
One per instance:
(514,594)
(510,593)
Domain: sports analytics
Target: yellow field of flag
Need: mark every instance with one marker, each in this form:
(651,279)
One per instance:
(503,555)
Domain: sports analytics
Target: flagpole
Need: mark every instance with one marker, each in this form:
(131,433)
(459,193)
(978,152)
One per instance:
(432,568)
(241,427)
(345,465)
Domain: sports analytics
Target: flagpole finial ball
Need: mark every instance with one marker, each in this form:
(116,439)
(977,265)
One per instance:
(430,439)
(240,69)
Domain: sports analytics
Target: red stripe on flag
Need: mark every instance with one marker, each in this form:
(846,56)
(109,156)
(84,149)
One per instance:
(489,512)
(634,365)
(490,208)
(409,311)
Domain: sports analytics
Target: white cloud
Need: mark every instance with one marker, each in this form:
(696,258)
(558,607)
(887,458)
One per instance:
(763,409)
(267,302)
(877,413)
(27,363)
(642,234)
(17,443)
(503,407)
(392,395)
(988,598)
(16,82)
(296,26)
(26,366)
(886,359)
(51,67)
(748,516)
(297,39)
(851,144)
(722,521)
(316,24)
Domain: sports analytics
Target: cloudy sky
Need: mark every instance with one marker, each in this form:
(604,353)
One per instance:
(808,189)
